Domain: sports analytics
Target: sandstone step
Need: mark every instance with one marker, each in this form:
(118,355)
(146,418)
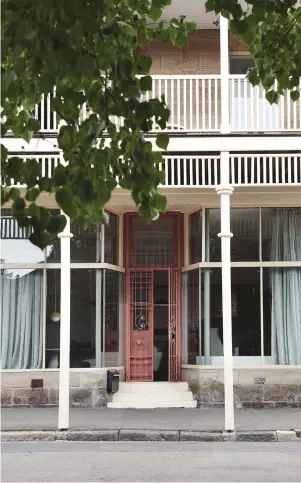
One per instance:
(152,387)
(152,397)
(152,405)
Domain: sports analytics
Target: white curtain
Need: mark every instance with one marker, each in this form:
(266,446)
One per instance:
(286,284)
(21,321)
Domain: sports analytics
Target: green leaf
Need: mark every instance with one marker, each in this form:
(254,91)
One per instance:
(41,239)
(190,26)
(239,26)
(125,184)
(162,140)
(253,77)
(295,95)
(33,125)
(155,13)
(181,39)
(159,202)
(18,206)
(14,193)
(144,64)
(210,5)
(272,97)
(7,79)
(56,224)
(67,203)
(147,211)
(4,153)
(32,194)
(27,135)
(146,83)
(66,138)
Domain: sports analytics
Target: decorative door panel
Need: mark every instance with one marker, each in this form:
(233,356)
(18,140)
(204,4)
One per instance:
(173,326)
(141,326)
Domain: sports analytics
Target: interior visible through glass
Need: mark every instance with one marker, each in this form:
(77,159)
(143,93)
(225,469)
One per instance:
(161,319)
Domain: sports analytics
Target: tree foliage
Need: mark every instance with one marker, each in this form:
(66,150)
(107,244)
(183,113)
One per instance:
(271,30)
(88,50)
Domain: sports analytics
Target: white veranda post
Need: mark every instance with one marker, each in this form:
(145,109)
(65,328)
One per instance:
(224,57)
(225,191)
(65,236)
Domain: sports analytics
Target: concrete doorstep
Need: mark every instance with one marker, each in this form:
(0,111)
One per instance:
(152,435)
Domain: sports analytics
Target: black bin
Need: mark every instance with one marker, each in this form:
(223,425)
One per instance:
(112,380)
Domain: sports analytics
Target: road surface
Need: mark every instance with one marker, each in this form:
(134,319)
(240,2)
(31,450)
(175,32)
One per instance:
(150,461)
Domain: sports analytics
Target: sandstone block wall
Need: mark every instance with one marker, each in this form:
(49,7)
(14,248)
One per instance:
(87,388)
(253,387)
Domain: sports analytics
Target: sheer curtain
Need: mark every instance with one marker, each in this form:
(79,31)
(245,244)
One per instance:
(21,321)
(286,284)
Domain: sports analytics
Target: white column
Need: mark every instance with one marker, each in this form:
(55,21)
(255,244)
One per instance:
(200,316)
(207,296)
(65,237)
(98,318)
(121,317)
(207,338)
(224,60)
(184,318)
(225,191)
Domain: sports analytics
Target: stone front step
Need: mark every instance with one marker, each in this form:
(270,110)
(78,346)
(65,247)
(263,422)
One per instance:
(153,405)
(152,387)
(149,395)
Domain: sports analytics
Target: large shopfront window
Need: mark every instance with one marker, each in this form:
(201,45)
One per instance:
(31,296)
(266,289)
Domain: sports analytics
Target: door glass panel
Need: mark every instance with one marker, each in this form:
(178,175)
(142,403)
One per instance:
(153,244)
(161,313)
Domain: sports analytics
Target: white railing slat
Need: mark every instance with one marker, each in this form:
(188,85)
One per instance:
(210,105)
(48,127)
(197,105)
(172,106)
(172,167)
(288,107)
(43,127)
(184,105)
(215,104)
(185,171)
(178,103)
(191,126)
(203,105)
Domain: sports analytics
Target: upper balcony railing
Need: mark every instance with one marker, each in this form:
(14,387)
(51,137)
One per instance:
(195,106)
(202,171)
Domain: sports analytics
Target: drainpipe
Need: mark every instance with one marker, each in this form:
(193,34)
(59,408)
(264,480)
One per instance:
(63,420)
(224,190)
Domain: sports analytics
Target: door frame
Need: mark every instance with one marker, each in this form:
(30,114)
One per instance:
(152,268)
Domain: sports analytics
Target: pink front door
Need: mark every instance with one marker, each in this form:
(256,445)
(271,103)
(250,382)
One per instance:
(151,249)
(141,326)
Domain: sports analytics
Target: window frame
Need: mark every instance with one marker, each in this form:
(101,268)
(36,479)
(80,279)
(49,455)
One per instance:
(260,265)
(102,265)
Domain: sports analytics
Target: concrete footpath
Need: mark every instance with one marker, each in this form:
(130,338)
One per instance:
(40,424)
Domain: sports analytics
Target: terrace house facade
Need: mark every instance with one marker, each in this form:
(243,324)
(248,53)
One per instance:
(215,281)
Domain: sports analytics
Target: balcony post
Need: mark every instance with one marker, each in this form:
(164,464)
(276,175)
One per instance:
(63,420)
(224,61)
(224,190)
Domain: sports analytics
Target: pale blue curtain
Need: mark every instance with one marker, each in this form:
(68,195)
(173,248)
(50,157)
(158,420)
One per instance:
(22,321)
(286,284)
